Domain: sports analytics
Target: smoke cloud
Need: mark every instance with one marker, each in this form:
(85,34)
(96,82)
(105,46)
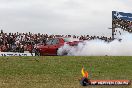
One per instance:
(100,48)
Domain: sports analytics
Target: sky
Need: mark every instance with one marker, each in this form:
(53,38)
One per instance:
(79,17)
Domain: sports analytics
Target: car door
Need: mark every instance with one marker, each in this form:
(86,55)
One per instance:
(53,47)
(46,50)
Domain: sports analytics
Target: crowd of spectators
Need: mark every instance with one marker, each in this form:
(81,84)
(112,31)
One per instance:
(87,37)
(20,42)
(121,23)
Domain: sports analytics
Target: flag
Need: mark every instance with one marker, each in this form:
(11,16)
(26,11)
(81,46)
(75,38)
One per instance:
(84,73)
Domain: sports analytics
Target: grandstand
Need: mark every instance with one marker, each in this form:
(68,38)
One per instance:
(121,20)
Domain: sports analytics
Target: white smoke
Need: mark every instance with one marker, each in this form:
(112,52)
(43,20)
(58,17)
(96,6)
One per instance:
(100,48)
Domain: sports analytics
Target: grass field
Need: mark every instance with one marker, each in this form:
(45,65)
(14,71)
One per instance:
(61,71)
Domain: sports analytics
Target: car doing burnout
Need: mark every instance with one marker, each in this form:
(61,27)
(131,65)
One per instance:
(52,45)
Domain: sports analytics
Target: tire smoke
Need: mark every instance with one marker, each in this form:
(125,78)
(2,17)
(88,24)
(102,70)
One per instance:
(100,48)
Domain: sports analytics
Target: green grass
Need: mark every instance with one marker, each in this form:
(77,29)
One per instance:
(61,71)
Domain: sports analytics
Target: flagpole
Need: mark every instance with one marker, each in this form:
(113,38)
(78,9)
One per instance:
(113,26)
(113,29)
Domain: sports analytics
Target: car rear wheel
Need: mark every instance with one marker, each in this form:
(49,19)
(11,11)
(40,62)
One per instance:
(64,53)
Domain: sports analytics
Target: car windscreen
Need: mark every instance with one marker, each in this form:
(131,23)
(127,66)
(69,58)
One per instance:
(52,42)
(55,41)
(66,40)
(70,39)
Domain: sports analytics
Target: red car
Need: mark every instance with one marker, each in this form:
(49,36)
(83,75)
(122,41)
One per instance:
(52,45)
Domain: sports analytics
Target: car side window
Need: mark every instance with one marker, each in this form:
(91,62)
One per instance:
(49,42)
(55,41)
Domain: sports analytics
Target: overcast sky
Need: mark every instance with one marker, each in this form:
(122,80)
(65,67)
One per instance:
(60,16)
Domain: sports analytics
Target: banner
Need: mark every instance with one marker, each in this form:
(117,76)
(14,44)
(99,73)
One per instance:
(122,20)
(16,54)
(122,15)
